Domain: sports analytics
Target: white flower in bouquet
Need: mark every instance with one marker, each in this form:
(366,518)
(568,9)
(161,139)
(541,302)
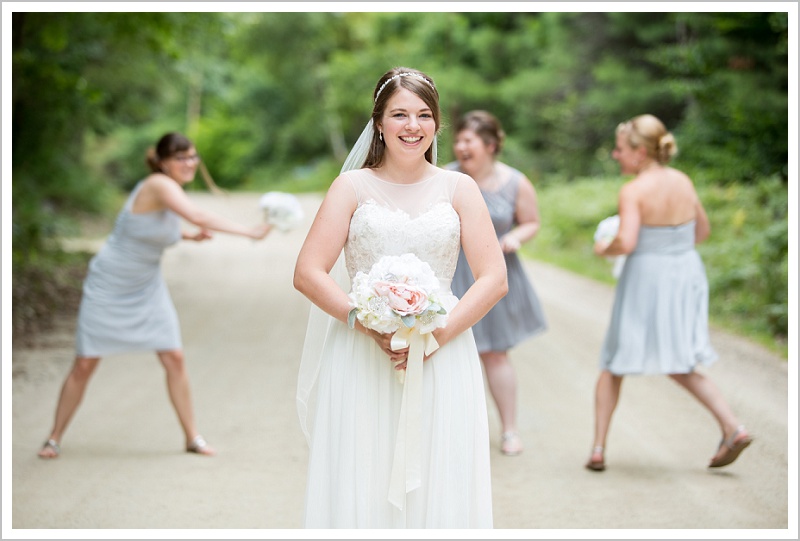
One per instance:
(283,210)
(606,230)
(398,291)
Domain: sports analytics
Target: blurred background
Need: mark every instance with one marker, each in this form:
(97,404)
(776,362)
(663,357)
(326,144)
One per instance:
(273,101)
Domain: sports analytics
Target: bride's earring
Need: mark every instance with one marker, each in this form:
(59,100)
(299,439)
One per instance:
(380,134)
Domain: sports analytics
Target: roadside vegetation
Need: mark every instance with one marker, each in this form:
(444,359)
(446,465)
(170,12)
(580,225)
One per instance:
(274,100)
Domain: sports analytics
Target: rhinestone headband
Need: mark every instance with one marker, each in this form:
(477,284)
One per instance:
(404,74)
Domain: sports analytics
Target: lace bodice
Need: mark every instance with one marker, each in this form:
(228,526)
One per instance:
(393,219)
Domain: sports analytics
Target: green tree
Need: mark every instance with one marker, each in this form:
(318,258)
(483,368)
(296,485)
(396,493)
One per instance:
(75,76)
(274,100)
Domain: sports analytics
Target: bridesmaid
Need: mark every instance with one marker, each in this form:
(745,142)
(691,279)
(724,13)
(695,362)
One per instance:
(512,204)
(659,322)
(125,304)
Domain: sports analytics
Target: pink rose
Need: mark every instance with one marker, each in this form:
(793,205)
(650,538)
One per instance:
(405,299)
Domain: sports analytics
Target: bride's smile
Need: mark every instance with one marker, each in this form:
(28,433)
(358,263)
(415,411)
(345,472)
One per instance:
(408,124)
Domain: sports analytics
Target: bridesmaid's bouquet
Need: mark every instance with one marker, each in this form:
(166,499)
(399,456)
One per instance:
(606,230)
(283,210)
(398,292)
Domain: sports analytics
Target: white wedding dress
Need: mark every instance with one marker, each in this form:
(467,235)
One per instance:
(353,409)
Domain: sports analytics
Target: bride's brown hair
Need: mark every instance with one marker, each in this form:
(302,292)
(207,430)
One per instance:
(393,80)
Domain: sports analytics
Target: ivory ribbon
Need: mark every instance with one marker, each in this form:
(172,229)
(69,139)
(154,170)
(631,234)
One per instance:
(406,465)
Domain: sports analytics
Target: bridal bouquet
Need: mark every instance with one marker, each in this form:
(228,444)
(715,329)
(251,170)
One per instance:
(399,291)
(399,294)
(606,230)
(283,210)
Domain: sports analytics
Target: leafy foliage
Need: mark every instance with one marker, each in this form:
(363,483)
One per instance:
(274,100)
(78,76)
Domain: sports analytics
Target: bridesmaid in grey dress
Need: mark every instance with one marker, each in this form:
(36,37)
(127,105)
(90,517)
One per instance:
(659,322)
(511,200)
(125,304)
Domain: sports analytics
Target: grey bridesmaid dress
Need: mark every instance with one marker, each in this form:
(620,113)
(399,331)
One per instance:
(659,322)
(125,304)
(518,315)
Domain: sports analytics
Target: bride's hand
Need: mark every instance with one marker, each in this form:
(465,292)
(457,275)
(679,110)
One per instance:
(401,364)
(384,341)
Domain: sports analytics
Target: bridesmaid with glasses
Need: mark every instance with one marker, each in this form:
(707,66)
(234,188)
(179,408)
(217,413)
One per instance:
(126,306)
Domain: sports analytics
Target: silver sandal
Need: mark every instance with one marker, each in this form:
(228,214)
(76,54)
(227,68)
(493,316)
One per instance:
(734,448)
(200,446)
(50,444)
(511,444)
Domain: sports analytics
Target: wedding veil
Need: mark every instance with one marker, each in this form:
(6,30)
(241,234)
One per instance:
(319,321)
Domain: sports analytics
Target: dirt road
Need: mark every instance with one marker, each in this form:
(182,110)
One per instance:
(122,467)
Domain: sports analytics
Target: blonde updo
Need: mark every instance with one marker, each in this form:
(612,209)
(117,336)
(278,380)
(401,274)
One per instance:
(649,132)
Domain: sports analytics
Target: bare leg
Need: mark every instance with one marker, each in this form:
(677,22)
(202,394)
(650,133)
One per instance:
(181,397)
(606,398)
(707,393)
(502,381)
(72,392)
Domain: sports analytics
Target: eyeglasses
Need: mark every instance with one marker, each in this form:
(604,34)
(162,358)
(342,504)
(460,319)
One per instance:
(194,158)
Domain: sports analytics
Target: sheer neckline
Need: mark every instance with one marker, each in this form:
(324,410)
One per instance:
(423,181)
(404,213)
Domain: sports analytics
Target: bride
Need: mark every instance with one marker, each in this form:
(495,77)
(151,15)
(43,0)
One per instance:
(380,455)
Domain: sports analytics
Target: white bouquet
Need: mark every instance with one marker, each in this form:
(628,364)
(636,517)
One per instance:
(606,230)
(283,210)
(399,294)
(398,291)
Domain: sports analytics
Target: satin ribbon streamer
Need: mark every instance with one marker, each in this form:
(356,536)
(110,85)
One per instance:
(406,465)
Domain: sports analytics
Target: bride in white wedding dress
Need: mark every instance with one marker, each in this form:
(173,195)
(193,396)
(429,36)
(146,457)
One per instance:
(382,454)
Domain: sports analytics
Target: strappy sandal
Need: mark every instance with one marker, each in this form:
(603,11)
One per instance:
(735,448)
(511,444)
(596,465)
(200,446)
(52,446)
